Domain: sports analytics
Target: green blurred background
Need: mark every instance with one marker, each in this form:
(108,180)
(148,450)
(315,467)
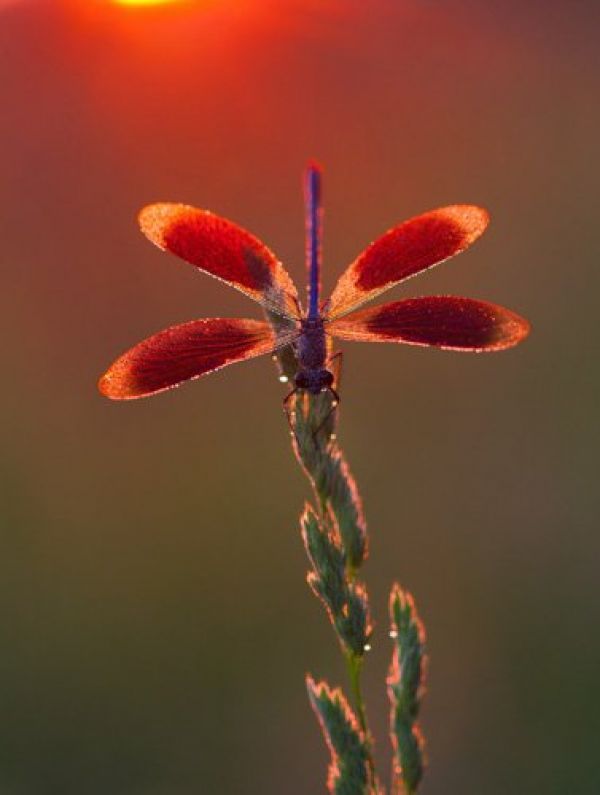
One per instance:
(156,626)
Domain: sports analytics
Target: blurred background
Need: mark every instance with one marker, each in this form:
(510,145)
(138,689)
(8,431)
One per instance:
(156,625)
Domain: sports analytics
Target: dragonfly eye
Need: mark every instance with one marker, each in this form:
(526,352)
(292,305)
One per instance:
(314,381)
(302,380)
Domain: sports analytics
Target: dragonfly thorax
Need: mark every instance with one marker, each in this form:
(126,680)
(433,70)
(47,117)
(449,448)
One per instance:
(311,350)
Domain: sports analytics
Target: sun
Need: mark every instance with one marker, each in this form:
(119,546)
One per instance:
(145,2)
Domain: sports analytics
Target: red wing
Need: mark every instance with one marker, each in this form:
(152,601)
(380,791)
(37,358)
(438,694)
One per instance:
(223,250)
(460,324)
(183,352)
(404,251)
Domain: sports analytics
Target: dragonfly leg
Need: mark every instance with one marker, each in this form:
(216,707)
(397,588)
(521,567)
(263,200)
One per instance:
(334,364)
(334,405)
(288,397)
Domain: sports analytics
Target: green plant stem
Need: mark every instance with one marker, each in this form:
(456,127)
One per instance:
(355,664)
(336,542)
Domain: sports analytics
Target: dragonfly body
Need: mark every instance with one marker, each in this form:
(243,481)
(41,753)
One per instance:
(222,249)
(311,346)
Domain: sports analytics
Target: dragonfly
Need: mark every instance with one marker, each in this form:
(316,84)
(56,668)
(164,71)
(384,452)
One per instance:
(222,249)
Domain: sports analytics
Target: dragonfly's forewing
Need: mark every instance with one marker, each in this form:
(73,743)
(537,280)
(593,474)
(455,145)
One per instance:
(224,250)
(404,251)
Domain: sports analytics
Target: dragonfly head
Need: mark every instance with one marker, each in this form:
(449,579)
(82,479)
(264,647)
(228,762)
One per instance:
(314,381)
